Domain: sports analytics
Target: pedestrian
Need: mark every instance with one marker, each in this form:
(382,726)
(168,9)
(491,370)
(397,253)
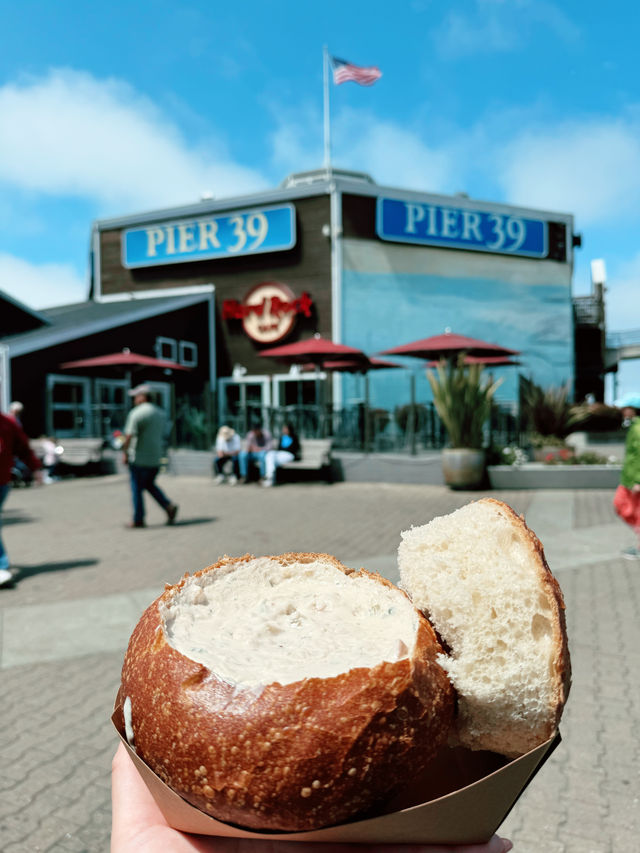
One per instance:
(228,447)
(13,442)
(16,408)
(626,500)
(143,445)
(287,450)
(258,442)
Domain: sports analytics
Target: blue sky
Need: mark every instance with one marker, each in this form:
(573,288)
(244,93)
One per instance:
(109,110)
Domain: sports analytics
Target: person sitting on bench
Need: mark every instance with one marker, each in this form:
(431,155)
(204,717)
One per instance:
(288,449)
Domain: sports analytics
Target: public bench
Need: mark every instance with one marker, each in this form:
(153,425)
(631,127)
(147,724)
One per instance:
(79,455)
(315,458)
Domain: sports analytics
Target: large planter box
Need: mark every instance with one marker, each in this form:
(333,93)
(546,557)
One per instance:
(536,475)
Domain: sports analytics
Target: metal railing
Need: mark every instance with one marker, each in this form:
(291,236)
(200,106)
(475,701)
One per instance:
(406,429)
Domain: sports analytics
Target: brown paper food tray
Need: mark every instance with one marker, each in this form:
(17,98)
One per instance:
(462,798)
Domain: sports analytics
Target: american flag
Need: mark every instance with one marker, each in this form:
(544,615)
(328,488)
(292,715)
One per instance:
(344,71)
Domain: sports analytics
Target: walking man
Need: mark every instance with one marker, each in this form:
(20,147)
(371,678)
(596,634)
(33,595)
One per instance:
(13,442)
(144,434)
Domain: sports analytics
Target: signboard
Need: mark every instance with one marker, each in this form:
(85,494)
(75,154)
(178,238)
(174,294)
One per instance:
(268,312)
(448,226)
(242,232)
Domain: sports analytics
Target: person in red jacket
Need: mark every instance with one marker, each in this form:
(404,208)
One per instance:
(13,442)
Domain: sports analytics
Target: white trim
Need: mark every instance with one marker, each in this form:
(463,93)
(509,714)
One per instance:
(5,378)
(280,379)
(84,406)
(171,343)
(158,293)
(318,188)
(254,379)
(97,265)
(188,362)
(336,282)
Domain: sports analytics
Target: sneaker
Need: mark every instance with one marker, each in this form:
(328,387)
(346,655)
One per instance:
(233,480)
(172,511)
(132,525)
(267,483)
(631,554)
(6,577)
(219,480)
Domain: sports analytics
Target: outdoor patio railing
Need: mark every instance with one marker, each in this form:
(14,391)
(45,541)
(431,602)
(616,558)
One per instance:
(406,429)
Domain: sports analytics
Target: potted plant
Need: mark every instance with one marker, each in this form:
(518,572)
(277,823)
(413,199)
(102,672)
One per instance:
(462,398)
(547,413)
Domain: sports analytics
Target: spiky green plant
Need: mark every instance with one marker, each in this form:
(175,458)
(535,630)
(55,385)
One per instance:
(463,400)
(547,411)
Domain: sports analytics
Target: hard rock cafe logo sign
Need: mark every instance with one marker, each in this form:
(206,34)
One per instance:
(268,312)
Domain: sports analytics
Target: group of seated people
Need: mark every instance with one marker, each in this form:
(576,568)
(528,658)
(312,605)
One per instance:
(260,449)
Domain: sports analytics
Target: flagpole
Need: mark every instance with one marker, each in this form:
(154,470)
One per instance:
(327,115)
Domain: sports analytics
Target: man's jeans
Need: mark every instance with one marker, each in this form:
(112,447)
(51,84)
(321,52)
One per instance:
(142,478)
(4,559)
(246,457)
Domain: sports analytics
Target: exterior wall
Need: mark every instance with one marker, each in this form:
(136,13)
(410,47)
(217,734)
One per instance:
(306,267)
(395,293)
(29,372)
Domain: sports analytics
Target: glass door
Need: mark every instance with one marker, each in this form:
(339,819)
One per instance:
(69,406)
(111,405)
(244,401)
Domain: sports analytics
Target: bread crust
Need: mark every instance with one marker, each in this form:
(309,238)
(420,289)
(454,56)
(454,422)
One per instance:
(476,725)
(561,664)
(287,757)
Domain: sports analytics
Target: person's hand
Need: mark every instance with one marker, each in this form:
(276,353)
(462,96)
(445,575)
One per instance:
(139,827)
(635,487)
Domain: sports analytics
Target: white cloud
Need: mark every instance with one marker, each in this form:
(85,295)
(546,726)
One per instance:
(499,26)
(71,134)
(391,154)
(589,168)
(41,285)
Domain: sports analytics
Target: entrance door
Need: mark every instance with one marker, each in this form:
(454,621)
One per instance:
(111,405)
(243,401)
(69,406)
(298,399)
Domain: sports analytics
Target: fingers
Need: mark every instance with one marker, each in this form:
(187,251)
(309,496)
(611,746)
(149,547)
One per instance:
(134,809)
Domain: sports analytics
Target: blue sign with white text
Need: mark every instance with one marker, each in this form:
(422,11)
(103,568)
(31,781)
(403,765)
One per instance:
(243,232)
(443,225)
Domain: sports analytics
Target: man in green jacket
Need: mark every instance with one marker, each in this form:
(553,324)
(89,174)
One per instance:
(143,446)
(626,500)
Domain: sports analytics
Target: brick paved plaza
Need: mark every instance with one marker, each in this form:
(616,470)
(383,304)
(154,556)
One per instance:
(84,580)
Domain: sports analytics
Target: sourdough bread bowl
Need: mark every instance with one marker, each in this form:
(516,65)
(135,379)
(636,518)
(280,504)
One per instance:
(284,693)
(480,576)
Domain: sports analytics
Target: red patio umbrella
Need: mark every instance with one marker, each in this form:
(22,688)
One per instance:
(122,359)
(486,360)
(316,350)
(352,365)
(448,345)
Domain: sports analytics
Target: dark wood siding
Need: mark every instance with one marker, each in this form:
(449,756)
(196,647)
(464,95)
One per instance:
(306,267)
(29,372)
(359,216)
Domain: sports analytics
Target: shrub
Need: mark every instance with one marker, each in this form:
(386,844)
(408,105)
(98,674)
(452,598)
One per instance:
(463,401)
(546,411)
